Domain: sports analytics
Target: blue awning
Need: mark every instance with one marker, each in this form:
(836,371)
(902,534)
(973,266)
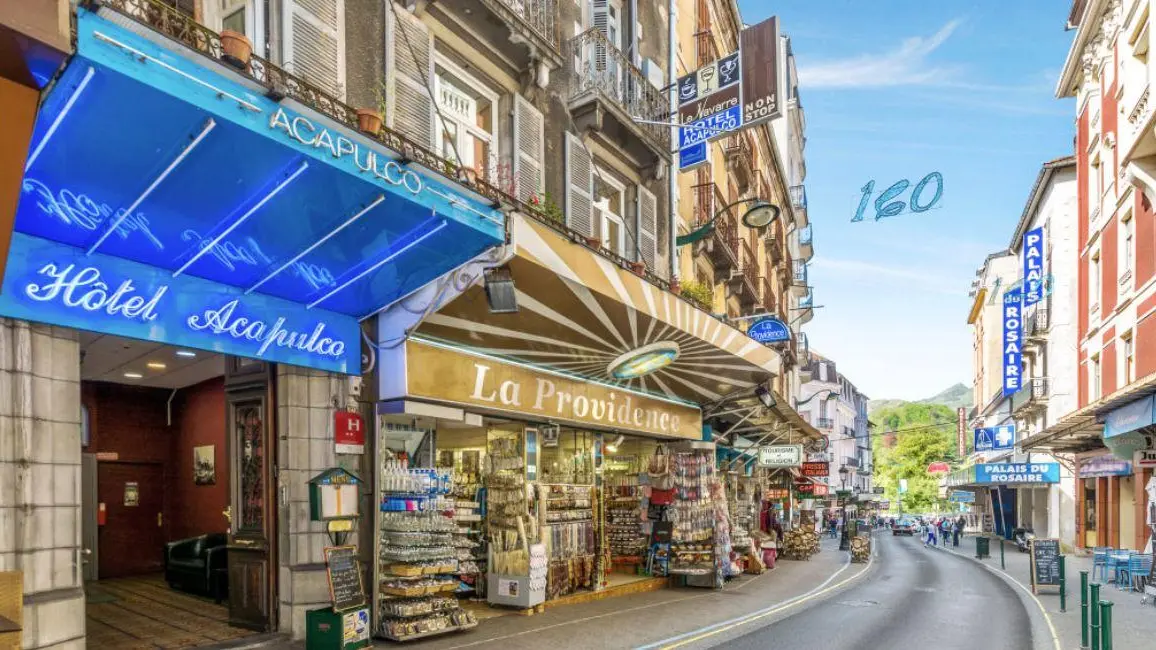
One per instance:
(163,157)
(1131,416)
(154,165)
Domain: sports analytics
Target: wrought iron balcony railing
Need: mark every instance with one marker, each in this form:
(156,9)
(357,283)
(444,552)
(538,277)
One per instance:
(825,423)
(799,276)
(540,16)
(798,197)
(597,66)
(1038,323)
(805,235)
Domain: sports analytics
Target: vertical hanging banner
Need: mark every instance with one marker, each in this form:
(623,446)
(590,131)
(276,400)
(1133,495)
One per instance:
(1033,288)
(960,430)
(725,96)
(1012,341)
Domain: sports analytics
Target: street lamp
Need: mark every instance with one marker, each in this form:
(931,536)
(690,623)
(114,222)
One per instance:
(844,539)
(760,213)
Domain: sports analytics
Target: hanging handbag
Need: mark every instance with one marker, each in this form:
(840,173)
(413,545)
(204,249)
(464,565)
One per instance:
(661,497)
(658,472)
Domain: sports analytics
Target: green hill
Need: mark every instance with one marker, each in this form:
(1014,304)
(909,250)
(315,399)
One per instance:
(952,397)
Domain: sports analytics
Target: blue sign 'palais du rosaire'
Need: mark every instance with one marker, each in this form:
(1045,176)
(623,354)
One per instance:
(1012,341)
(1016,473)
(1033,266)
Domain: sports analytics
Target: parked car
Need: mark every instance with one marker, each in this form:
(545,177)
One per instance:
(904,526)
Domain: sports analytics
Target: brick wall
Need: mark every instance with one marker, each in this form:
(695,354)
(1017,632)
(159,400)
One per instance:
(1109,268)
(40,478)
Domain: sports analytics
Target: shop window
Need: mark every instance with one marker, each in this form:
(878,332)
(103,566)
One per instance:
(466,126)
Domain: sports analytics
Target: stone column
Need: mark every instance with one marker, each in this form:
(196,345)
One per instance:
(40,478)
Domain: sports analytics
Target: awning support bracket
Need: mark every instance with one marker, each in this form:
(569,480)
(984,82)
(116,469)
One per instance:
(59,118)
(348,222)
(210,124)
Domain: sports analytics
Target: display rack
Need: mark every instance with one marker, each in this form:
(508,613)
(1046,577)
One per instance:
(569,533)
(415,572)
(624,530)
(693,540)
(515,561)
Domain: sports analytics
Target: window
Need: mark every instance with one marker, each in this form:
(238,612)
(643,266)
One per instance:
(1129,358)
(1094,384)
(1094,282)
(609,211)
(1094,188)
(466,127)
(1126,236)
(234,16)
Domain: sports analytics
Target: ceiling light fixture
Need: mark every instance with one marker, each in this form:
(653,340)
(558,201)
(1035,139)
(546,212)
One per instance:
(156,365)
(644,360)
(188,354)
(133,375)
(613,447)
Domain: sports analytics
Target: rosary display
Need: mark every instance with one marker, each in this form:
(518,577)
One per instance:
(513,533)
(417,552)
(693,514)
(623,518)
(569,534)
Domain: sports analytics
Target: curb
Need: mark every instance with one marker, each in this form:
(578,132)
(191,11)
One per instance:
(1007,577)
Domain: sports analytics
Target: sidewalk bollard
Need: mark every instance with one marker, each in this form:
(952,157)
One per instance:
(1001,562)
(1093,598)
(1105,625)
(1063,587)
(1083,610)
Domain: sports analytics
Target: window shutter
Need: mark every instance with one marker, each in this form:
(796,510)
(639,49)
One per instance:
(647,226)
(600,18)
(529,151)
(315,42)
(579,187)
(408,108)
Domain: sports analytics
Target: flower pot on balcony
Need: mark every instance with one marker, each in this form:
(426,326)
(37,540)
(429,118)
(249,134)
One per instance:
(594,242)
(638,267)
(369,121)
(236,49)
(675,287)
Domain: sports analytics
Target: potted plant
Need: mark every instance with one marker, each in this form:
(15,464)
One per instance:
(594,242)
(675,286)
(369,121)
(236,49)
(638,267)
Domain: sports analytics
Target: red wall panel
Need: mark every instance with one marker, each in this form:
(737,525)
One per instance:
(1082,170)
(1109,280)
(1108,370)
(199,420)
(1082,380)
(1145,238)
(1145,342)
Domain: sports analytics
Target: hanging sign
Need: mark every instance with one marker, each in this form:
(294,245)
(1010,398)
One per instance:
(769,330)
(780,455)
(810,489)
(816,469)
(48,282)
(724,96)
(1016,473)
(960,431)
(349,433)
(1012,352)
(995,438)
(1144,458)
(1033,286)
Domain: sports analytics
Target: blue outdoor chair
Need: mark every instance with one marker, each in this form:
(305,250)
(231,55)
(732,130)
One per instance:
(1117,562)
(1100,560)
(1139,568)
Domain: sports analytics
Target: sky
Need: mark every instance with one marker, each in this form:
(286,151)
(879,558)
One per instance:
(895,90)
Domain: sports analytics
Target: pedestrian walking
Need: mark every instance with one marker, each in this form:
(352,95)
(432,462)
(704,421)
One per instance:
(959,524)
(945,531)
(929,539)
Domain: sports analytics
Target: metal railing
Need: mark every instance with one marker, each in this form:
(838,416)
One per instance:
(768,297)
(807,301)
(1038,323)
(805,235)
(708,200)
(539,16)
(799,273)
(595,65)
(824,423)
(798,197)
(739,146)
(184,30)
(1039,388)
(705,48)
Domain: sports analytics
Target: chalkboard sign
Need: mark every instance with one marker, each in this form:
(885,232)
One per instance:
(1045,562)
(344,571)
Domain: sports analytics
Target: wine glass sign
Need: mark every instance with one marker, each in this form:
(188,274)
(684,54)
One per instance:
(887,203)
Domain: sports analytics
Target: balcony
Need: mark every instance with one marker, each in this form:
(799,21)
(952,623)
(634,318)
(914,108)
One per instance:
(806,307)
(803,236)
(524,31)
(804,351)
(773,240)
(1033,397)
(609,95)
(825,423)
(721,244)
(799,279)
(704,46)
(742,281)
(767,286)
(184,31)
(739,153)
(1036,326)
(799,203)
(851,461)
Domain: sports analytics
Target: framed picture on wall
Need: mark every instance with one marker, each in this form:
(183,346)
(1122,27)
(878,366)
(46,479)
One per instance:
(205,465)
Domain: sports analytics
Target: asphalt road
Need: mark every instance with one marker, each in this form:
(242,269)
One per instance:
(914,598)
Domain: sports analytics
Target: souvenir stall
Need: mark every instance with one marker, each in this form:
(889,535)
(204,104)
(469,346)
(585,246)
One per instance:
(465,468)
(700,541)
(517,558)
(417,540)
(569,513)
(624,487)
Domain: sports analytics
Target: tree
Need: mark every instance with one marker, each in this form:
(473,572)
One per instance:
(924,433)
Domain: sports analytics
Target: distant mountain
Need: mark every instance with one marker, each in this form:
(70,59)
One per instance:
(953,397)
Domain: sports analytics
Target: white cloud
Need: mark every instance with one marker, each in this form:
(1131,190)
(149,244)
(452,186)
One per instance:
(905,66)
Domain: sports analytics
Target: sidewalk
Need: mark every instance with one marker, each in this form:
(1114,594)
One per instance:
(1133,624)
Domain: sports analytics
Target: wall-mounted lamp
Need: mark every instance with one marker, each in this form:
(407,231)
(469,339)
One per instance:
(500,291)
(613,447)
(765,396)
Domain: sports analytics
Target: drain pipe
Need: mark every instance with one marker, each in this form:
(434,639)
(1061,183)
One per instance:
(169,407)
(672,173)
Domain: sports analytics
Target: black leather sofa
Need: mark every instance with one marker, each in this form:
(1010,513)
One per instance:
(199,565)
